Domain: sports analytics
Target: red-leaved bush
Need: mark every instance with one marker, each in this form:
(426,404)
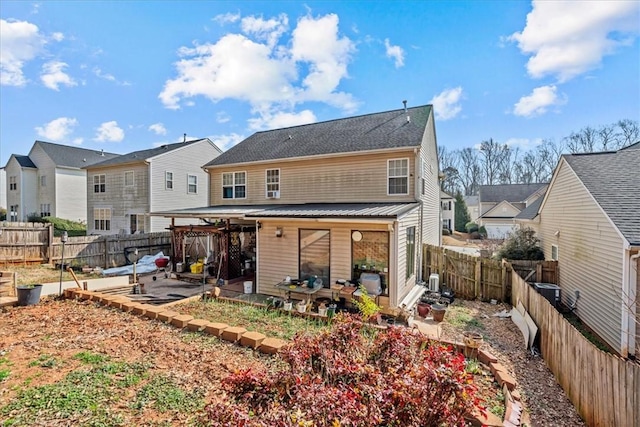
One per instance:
(345,377)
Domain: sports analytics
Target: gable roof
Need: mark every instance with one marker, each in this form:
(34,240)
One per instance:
(513,193)
(377,131)
(494,209)
(142,155)
(613,179)
(24,161)
(73,157)
(531,211)
(444,195)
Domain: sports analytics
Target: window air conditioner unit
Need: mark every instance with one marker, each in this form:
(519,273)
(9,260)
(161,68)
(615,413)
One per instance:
(273,194)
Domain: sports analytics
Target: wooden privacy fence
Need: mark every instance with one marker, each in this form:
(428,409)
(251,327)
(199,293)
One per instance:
(536,271)
(469,276)
(604,388)
(30,244)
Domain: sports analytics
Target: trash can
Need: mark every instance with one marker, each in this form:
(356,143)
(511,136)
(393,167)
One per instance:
(248,287)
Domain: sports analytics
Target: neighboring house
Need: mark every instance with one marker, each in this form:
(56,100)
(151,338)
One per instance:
(499,205)
(50,181)
(448,205)
(3,188)
(334,199)
(472,207)
(590,222)
(123,190)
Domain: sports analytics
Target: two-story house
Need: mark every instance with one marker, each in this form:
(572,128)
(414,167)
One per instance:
(50,181)
(123,190)
(334,200)
(448,205)
(499,205)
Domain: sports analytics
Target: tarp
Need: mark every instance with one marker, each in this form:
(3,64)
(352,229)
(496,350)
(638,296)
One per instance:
(146,264)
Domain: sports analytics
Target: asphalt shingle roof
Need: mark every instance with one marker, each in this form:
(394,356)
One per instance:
(613,178)
(531,211)
(141,155)
(389,129)
(513,193)
(24,161)
(73,157)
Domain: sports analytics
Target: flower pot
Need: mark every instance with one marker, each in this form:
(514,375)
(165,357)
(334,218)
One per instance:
(423,309)
(288,305)
(301,308)
(472,342)
(322,311)
(438,311)
(29,295)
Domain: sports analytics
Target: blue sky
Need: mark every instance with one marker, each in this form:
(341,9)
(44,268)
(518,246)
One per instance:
(124,76)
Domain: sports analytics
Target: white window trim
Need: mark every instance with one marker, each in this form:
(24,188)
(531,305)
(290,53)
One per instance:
(166,180)
(557,252)
(233,186)
(102,217)
(188,184)
(99,184)
(407,176)
(266,183)
(133,179)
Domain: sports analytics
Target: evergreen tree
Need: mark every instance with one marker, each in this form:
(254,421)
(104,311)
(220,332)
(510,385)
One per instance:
(462,215)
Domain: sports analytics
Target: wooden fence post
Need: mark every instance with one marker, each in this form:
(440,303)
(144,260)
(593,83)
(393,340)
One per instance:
(106,252)
(50,243)
(478,278)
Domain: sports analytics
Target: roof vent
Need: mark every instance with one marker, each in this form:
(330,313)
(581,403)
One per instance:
(84,160)
(405,105)
(184,138)
(290,137)
(102,152)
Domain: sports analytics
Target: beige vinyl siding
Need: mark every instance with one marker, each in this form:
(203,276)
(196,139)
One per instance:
(278,256)
(430,232)
(590,253)
(184,161)
(123,200)
(503,210)
(14,196)
(357,178)
(49,194)
(71,194)
(405,284)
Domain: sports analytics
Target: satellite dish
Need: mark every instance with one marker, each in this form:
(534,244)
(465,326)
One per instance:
(356,236)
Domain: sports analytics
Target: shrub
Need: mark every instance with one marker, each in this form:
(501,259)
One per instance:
(483,232)
(344,377)
(446,232)
(3,214)
(522,244)
(471,227)
(461,214)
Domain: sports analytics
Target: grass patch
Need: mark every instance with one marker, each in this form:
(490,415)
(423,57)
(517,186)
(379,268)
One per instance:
(462,317)
(272,323)
(163,394)
(586,332)
(497,407)
(44,361)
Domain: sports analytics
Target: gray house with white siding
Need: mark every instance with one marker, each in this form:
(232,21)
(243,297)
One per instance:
(589,221)
(121,192)
(50,181)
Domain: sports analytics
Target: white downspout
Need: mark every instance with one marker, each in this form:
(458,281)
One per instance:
(633,308)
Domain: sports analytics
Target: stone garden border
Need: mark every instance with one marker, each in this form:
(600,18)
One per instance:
(515,413)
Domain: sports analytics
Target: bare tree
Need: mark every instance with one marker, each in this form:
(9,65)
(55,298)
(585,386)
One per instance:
(608,137)
(493,154)
(583,141)
(470,172)
(629,132)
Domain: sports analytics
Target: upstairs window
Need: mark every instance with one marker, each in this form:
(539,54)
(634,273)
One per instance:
(45,209)
(192,184)
(398,176)
(168,180)
(234,185)
(13,183)
(273,183)
(102,219)
(128,179)
(446,206)
(13,213)
(99,183)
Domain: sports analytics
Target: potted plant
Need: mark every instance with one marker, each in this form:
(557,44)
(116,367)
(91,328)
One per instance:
(438,310)
(331,310)
(423,309)
(322,309)
(287,305)
(368,308)
(28,294)
(302,306)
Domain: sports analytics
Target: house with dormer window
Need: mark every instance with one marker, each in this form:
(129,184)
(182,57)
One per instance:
(332,200)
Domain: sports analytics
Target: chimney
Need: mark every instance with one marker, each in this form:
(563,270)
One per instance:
(406,112)
(184,138)
(102,152)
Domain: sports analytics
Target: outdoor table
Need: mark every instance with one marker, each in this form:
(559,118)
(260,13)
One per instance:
(289,288)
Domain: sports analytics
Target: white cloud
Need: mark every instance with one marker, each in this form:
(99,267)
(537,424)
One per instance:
(394,52)
(568,38)
(281,119)
(524,144)
(53,75)
(158,129)
(538,102)
(109,132)
(57,130)
(57,37)
(268,30)
(225,142)
(226,17)
(222,117)
(109,77)
(20,42)
(261,69)
(446,104)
